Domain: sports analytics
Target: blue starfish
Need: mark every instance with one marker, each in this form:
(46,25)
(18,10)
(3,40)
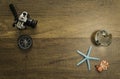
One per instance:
(87,58)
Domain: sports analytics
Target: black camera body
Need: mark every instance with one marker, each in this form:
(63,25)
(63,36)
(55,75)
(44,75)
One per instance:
(22,21)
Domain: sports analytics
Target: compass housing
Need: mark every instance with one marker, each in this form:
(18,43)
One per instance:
(24,42)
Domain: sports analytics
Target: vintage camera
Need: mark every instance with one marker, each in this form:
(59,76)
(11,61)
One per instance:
(25,20)
(22,21)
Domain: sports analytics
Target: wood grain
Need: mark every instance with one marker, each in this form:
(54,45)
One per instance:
(63,18)
(56,58)
(64,26)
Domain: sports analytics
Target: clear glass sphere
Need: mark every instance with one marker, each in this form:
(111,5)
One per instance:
(103,38)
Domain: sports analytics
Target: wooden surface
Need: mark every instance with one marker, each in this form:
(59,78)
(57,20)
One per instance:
(64,27)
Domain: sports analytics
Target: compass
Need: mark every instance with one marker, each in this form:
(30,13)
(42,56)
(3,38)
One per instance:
(24,42)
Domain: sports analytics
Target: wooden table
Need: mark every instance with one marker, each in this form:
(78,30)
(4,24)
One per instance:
(64,27)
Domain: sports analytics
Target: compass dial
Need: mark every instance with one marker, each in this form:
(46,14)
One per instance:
(25,42)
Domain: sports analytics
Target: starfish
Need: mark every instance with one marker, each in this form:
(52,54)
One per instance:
(87,58)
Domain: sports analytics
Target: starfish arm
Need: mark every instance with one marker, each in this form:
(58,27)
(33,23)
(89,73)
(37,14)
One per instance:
(89,50)
(93,58)
(81,61)
(81,53)
(88,64)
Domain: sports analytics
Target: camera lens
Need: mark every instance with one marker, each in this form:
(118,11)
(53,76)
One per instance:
(31,23)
